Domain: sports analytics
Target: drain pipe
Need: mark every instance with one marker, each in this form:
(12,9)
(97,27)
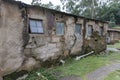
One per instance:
(82,56)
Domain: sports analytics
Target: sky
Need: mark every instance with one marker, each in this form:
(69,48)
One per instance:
(55,2)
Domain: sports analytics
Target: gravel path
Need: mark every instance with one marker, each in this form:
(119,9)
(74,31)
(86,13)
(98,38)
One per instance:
(98,74)
(113,49)
(71,78)
(102,72)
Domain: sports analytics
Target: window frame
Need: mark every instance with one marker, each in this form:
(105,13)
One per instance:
(63,28)
(80,29)
(101,30)
(30,32)
(87,31)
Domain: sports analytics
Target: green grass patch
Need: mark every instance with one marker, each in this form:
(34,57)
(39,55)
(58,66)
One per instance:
(87,65)
(83,66)
(116,45)
(113,76)
(116,27)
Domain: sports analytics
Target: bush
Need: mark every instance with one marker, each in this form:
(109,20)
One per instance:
(111,24)
(41,74)
(15,75)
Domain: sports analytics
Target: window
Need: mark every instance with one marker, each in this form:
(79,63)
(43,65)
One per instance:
(101,31)
(78,28)
(60,28)
(36,26)
(89,30)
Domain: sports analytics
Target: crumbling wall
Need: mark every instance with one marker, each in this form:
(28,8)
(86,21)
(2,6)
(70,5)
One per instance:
(48,45)
(96,42)
(41,45)
(78,42)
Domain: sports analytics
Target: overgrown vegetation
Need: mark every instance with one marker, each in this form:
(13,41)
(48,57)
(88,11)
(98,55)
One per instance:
(116,27)
(116,45)
(39,74)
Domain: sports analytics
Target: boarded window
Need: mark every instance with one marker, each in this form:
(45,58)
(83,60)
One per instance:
(36,26)
(60,28)
(78,28)
(89,30)
(101,31)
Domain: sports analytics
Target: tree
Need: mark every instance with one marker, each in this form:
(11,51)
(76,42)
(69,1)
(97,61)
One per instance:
(110,12)
(83,7)
(57,7)
(49,5)
(90,7)
(70,6)
(112,20)
(36,2)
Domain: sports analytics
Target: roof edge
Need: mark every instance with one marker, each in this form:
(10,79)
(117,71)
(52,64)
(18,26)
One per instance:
(28,5)
(110,29)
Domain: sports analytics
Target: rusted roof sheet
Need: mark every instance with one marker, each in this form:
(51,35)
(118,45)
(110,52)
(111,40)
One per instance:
(52,10)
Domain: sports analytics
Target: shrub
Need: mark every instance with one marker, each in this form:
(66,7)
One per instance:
(41,74)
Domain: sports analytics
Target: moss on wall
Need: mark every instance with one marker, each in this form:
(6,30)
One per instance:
(95,43)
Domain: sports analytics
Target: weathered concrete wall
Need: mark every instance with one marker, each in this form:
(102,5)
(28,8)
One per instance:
(21,50)
(11,42)
(96,42)
(42,46)
(73,41)
(113,36)
(49,45)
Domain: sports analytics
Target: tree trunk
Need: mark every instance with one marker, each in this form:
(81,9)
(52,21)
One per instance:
(92,9)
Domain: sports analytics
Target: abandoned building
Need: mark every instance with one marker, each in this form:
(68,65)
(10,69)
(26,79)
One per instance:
(30,35)
(113,35)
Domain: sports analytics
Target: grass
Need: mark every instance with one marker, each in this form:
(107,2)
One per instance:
(86,65)
(113,76)
(116,45)
(116,27)
(82,67)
